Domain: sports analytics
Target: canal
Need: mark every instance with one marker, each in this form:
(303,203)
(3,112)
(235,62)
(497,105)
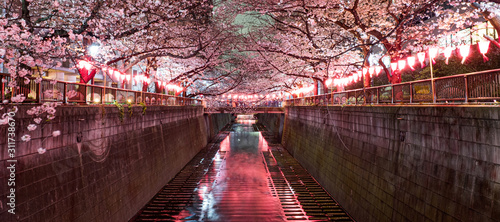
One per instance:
(243,175)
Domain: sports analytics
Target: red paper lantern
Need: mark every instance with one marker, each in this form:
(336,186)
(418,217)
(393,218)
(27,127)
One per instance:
(378,69)
(328,82)
(464,52)
(371,70)
(433,53)
(421,58)
(401,64)
(411,62)
(483,49)
(84,64)
(394,66)
(86,71)
(447,53)
(117,75)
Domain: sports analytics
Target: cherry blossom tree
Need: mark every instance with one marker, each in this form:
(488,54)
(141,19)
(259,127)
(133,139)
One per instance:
(40,35)
(296,42)
(322,33)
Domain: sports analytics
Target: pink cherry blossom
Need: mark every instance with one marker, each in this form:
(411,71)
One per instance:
(32,111)
(51,110)
(37,120)
(31,127)
(41,150)
(18,98)
(56,133)
(26,138)
(70,94)
(4,120)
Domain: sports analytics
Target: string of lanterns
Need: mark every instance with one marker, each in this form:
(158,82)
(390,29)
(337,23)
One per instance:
(464,51)
(303,90)
(120,77)
(267,97)
(250,97)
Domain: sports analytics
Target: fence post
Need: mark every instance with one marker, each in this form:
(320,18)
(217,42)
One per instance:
(65,98)
(91,94)
(2,84)
(411,93)
(85,95)
(39,92)
(103,94)
(355,97)
(466,89)
(433,87)
(392,93)
(378,96)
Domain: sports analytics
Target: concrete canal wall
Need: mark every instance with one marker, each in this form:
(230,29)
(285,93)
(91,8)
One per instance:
(274,122)
(101,168)
(408,163)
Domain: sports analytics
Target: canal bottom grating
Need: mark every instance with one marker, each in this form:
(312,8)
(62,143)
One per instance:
(201,192)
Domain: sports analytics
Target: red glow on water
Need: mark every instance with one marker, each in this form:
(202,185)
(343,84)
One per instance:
(225,145)
(246,121)
(263,146)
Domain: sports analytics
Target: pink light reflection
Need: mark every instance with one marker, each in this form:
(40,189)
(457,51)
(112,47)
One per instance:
(225,145)
(263,146)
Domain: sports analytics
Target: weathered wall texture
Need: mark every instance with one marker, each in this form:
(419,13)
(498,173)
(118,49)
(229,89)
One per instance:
(112,173)
(274,123)
(402,163)
(215,122)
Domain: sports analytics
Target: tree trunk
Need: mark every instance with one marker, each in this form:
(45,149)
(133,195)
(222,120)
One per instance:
(393,79)
(494,20)
(316,87)
(325,87)
(367,80)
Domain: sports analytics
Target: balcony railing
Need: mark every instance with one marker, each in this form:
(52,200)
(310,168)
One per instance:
(481,86)
(71,92)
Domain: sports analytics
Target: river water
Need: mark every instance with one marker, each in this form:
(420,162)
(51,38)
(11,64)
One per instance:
(240,189)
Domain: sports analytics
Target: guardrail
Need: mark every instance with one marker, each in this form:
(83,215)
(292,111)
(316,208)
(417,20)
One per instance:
(481,86)
(71,92)
(255,109)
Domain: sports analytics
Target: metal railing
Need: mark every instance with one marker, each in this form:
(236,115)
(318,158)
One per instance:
(481,86)
(71,92)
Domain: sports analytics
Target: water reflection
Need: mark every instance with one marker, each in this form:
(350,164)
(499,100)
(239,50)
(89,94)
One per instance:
(239,190)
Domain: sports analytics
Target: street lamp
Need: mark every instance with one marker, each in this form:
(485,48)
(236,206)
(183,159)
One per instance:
(93,50)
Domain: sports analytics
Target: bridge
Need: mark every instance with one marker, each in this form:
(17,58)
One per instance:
(245,110)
